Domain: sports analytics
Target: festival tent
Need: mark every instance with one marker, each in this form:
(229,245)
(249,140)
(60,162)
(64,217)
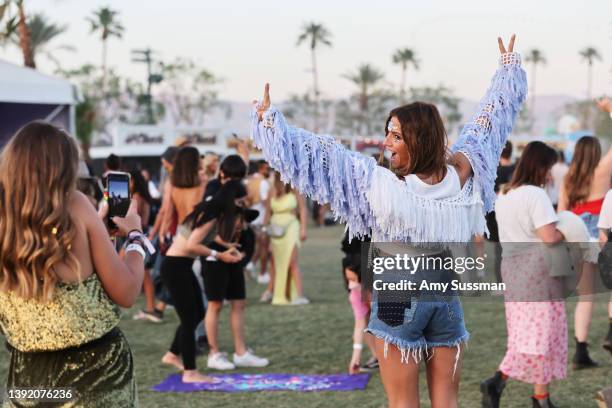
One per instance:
(26,95)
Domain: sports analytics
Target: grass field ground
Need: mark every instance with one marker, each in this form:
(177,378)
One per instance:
(317,339)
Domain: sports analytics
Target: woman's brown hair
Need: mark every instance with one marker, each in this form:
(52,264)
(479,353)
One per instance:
(38,174)
(280,188)
(185,172)
(587,154)
(425,137)
(533,166)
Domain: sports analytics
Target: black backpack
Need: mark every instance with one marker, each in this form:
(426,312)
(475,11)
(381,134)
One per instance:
(604,261)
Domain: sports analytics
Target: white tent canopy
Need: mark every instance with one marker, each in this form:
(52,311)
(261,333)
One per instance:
(27,95)
(26,85)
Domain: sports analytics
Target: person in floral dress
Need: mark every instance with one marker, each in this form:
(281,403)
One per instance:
(535,311)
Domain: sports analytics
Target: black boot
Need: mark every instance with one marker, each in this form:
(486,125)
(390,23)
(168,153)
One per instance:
(536,403)
(608,341)
(581,358)
(491,390)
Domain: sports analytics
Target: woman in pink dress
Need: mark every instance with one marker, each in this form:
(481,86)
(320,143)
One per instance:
(535,312)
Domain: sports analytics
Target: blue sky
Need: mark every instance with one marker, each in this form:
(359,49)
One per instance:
(250,42)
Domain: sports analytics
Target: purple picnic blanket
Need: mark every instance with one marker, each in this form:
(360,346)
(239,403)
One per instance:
(268,382)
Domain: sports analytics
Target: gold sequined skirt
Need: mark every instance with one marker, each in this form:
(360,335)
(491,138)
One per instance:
(99,373)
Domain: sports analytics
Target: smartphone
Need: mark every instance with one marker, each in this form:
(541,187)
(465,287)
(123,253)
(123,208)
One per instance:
(117,195)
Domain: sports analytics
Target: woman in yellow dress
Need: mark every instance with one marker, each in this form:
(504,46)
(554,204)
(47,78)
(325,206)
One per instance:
(286,232)
(61,280)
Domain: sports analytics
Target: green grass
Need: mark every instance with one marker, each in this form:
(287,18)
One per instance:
(317,339)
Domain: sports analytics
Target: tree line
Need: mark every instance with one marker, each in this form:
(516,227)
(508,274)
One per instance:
(187,92)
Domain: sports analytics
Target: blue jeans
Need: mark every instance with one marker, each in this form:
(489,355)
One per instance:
(590,221)
(416,321)
(425,324)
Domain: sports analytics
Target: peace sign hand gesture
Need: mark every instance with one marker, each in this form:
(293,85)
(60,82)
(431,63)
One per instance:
(502,48)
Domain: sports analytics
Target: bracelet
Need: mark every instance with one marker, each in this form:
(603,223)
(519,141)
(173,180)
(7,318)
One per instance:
(140,238)
(357,346)
(136,248)
(213,253)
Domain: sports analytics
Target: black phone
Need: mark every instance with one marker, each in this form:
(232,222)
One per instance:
(117,195)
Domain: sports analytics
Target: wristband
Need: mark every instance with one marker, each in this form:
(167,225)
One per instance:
(139,237)
(136,248)
(357,346)
(213,253)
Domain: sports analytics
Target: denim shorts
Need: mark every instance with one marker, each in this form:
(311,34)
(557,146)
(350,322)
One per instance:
(591,221)
(417,321)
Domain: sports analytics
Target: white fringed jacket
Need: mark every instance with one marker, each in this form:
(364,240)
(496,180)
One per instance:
(372,198)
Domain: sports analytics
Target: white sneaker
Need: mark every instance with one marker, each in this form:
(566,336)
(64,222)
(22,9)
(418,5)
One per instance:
(300,301)
(150,316)
(266,297)
(263,279)
(252,271)
(219,361)
(249,359)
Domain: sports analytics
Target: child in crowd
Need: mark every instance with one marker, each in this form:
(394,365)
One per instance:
(359,299)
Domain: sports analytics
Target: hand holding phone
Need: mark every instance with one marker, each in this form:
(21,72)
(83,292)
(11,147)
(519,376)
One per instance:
(131,221)
(123,225)
(117,195)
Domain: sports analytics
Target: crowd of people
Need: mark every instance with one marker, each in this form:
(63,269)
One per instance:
(214,223)
(191,240)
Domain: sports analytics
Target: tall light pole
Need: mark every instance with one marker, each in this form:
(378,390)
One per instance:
(145,56)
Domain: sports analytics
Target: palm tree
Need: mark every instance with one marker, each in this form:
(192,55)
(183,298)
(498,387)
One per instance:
(535,57)
(13,12)
(316,34)
(590,55)
(42,32)
(405,57)
(105,21)
(365,78)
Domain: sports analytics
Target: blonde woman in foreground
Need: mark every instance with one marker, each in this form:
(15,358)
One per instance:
(61,281)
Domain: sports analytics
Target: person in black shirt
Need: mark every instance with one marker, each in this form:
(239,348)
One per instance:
(505,168)
(504,174)
(225,280)
(233,167)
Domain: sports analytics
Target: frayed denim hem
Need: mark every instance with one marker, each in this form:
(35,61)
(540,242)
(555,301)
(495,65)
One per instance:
(417,349)
(462,339)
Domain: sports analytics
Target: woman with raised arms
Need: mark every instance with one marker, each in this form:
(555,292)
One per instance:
(429,194)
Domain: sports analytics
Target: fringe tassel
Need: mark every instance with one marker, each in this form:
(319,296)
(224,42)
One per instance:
(318,167)
(483,140)
(403,216)
(327,172)
(416,352)
(457,359)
